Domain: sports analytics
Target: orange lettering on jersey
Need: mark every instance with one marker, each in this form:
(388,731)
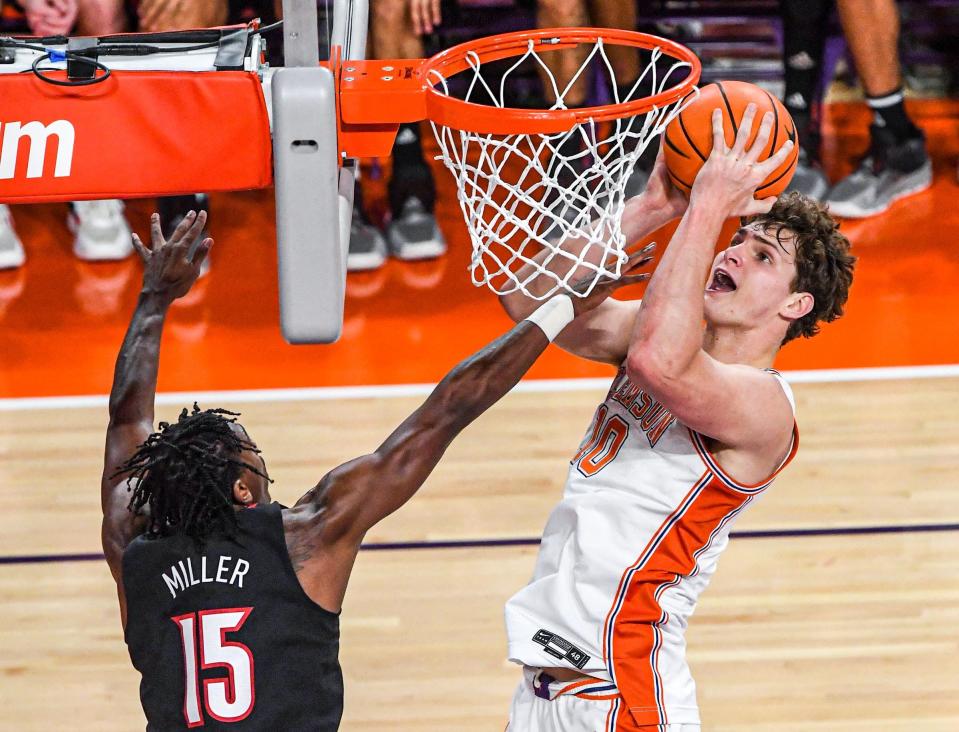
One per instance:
(653,417)
(626,394)
(656,432)
(638,410)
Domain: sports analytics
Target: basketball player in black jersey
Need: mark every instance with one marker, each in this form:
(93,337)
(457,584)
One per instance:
(229,601)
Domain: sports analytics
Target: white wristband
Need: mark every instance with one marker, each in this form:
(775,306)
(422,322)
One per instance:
(553,315)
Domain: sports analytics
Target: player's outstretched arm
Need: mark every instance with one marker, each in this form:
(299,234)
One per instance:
(168,273)
(602,334)
(737,405)
(329,522)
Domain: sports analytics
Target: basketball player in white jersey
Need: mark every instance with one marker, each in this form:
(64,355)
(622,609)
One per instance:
(695,426)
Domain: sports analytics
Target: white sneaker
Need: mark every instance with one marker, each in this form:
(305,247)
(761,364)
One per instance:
(102,231)
(11,248)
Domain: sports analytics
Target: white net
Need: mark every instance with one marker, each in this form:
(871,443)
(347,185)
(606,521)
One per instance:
(547,207)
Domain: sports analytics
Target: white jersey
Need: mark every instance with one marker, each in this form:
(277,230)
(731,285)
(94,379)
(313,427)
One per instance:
(645,514)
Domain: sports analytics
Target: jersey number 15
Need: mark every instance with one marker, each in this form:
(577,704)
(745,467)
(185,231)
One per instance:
(227,700)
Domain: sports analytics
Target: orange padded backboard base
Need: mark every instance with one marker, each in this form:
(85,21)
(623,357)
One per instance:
(139,133)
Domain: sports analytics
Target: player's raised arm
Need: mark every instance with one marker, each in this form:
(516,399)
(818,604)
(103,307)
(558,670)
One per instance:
(168,273)
(736,404)
(602,334)
(336,514)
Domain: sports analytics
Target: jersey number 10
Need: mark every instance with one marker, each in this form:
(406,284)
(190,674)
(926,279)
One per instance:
(227,700)
(605,439)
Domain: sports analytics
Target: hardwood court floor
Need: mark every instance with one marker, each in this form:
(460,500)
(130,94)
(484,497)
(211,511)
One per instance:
(826,633)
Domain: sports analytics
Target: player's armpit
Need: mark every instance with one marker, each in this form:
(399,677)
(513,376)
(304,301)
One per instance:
(326,526)
(740,407)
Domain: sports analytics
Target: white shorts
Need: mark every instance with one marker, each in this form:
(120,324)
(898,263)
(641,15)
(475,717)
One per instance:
(582,705)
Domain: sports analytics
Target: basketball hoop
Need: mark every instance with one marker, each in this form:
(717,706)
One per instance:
(519,191)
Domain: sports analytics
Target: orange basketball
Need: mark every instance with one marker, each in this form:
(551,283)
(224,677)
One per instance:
(688,139)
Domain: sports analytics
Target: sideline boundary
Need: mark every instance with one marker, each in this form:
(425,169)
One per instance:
(395,391)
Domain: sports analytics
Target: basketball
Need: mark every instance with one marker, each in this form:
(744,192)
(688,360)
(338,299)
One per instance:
(689,137)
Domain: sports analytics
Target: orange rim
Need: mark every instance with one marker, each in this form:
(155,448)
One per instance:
(458,114)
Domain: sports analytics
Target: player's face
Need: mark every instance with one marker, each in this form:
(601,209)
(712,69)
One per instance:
(258,485)
(752,278)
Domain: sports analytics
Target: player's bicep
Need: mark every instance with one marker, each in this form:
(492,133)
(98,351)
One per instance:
(736,405)
(603,334)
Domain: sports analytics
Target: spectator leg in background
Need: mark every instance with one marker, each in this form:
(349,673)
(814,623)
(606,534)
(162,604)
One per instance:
(567,161)
(100,229)
(803,43)
(624,59)
(412,232)
(564,64)
(101,17)
(896,164)
(627,65)
(157,16)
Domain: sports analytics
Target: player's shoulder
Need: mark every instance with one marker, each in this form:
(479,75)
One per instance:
(784,385)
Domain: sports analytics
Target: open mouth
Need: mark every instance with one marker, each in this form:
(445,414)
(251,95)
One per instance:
(721,282)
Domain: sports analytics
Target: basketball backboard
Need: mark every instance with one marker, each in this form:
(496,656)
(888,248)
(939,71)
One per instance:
(314,187)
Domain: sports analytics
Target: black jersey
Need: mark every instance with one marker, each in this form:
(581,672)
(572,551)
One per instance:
(226,638)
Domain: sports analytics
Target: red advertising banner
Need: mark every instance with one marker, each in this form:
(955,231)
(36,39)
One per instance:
(138,133)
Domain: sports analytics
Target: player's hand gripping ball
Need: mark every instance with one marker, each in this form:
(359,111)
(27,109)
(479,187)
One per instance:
(688,139)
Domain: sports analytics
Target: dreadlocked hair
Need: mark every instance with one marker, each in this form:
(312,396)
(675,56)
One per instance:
(184,475)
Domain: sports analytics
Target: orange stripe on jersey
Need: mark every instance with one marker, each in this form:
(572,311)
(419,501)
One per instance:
(633,628)
(611,715)
(635,640)
(575,685)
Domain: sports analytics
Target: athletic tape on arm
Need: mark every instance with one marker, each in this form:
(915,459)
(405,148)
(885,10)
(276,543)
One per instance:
(553,315)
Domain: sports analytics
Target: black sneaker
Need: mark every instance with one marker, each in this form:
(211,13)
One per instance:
(413,232)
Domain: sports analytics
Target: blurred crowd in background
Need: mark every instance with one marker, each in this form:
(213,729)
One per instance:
(812,41)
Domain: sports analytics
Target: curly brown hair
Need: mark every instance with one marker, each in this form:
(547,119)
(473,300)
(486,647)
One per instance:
(824,266)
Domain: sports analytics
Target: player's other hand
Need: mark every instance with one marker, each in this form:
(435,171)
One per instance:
(169,267)
(425,15)
(606,286)
(660,194)
(730,176)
